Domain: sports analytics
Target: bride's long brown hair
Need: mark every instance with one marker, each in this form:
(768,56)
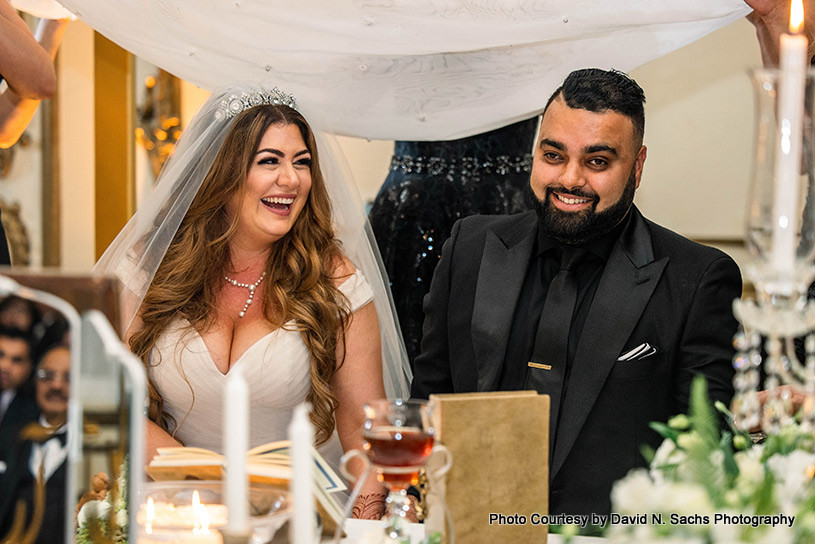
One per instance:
(300,266)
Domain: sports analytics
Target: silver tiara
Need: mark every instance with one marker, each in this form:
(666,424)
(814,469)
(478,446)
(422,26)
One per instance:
(236,103)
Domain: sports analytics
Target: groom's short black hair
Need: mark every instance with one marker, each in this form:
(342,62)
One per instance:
(599,90)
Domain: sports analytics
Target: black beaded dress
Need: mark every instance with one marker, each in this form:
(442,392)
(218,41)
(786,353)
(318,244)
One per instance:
(431,185)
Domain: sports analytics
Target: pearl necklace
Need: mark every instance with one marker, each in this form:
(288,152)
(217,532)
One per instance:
(250,286)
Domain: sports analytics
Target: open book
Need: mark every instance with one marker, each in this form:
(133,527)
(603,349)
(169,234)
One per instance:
(266,464)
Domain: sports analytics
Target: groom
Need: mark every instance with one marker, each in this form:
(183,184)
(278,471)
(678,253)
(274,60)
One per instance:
(583,299)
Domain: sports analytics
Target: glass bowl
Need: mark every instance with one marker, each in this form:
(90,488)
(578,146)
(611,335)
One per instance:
(175,512)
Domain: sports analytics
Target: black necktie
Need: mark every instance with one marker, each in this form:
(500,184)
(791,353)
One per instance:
(549,356)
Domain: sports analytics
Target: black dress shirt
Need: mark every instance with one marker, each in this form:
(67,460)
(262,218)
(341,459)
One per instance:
(543,266)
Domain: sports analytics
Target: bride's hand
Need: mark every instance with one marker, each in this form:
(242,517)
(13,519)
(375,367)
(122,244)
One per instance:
(372,506)
(157,438)
(369,506)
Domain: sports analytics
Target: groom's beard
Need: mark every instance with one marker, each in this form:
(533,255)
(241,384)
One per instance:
(577,228)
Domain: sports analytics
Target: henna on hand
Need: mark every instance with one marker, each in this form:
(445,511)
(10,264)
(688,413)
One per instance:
(369,506)
(412,514)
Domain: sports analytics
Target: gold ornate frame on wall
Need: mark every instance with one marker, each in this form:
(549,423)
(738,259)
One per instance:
(159,118)
(19,243)
(51,223)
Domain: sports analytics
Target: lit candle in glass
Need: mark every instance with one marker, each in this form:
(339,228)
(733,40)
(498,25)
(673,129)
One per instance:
(150,515)
(791,85)
(186,524)
(236,444)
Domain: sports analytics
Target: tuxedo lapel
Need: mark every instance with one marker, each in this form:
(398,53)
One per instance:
(628,281)
(16,474)
(507,250)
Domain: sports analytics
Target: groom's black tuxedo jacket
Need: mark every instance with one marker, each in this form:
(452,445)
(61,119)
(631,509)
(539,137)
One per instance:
(657,288)
(18,484)
(22,410)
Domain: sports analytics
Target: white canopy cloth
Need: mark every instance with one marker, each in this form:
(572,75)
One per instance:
(404,69)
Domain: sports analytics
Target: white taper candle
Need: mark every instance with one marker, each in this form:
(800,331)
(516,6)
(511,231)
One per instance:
(791,83)
(236,444)
(301,434)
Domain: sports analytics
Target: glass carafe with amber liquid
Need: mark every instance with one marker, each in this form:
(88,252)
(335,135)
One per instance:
(399,439)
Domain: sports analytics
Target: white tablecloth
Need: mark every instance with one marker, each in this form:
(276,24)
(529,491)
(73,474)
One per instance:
(356,529)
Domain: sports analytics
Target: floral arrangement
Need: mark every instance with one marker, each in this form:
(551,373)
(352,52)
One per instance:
(94,521)
(707,486)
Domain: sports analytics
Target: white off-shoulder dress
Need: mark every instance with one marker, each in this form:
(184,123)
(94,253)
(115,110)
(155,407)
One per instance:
(276,369)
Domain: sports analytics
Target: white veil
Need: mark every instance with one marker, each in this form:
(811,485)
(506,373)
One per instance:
(135,254)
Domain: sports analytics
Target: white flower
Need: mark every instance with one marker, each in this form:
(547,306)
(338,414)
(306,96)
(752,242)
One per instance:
(644,534)
(732,498)
(751,471)
(676,540)
(684,498)
(667,454)
(805,522)
(638,493)
(790,476)
(92,510)
(630,534)
(634,493)
(726,533)
(774,535)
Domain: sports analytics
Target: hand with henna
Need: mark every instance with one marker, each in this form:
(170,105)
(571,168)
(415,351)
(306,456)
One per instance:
(372,506)
(369,506)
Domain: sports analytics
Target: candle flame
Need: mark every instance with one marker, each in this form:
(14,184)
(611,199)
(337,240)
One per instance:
(151,515)
(202,515)
(796,16)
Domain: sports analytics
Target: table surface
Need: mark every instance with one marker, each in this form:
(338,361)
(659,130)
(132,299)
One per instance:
(356,529)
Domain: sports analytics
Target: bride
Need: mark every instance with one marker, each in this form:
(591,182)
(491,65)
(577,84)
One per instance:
(235,261)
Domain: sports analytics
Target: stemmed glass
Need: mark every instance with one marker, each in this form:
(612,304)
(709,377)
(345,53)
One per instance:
(399,439)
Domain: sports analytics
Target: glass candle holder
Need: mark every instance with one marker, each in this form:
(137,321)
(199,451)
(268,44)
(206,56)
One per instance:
(775,345)
(780,219)
(193,512)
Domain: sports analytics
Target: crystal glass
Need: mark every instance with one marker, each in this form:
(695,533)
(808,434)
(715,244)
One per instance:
(399,439)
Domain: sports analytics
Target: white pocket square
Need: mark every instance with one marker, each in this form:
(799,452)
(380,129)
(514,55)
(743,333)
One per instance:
(640,352)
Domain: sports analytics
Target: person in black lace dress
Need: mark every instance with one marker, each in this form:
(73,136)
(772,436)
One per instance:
(431,185)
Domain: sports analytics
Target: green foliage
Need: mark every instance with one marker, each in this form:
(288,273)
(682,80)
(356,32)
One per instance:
(740,439)
(701,468)
(788,440)
(764,498)
(96,527)
(701,440)
(434,538)
(702,418)
(647,453)
(664,430)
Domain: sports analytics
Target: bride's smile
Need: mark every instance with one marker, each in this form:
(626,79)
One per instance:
(276,188)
